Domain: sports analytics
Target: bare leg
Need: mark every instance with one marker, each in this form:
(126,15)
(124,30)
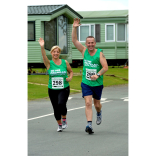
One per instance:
(97,105)
(59,121)
(63,116)
(88,109)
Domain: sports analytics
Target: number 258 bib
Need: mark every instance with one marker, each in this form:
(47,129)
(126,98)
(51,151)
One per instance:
(57,82)
(90,72)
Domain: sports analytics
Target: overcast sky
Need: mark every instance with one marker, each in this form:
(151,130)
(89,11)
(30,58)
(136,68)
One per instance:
(86,5)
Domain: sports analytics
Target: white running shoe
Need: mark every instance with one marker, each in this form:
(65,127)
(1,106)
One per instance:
(99,118)
(59,128)
(64,124)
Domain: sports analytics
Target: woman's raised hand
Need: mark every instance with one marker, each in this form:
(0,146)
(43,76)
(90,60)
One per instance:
(41,42)
(76,22)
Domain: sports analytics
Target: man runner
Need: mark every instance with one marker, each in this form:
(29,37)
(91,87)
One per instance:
(94,66)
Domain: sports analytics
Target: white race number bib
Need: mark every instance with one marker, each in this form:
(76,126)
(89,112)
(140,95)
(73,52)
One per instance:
(57,82)
(90,72)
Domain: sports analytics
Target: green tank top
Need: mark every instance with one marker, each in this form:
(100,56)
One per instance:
(91,66)
(57,75)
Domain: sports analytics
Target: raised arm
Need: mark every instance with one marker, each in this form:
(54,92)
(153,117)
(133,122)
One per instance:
(77,44)
(69,69)
(45,59)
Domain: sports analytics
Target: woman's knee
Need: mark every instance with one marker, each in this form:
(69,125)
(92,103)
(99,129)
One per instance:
(62,108)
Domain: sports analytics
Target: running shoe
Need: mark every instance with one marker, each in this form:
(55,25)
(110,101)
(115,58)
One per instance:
(89,129)
(64,124)
(99,118)
(59,128)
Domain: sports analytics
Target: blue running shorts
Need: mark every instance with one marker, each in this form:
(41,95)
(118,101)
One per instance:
(94,91)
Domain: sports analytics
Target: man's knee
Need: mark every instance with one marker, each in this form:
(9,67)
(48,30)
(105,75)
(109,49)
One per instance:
(88,104)
(88,101)
(97,103)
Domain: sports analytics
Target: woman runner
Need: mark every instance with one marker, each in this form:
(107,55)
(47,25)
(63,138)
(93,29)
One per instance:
(58,86)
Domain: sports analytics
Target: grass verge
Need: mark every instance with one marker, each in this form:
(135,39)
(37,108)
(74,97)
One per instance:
(37,91)
(40,91)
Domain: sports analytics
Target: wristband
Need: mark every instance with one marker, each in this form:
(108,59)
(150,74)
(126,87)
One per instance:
(98,74)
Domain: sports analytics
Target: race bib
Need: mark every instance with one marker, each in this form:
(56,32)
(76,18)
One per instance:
(57,82)
(90,72)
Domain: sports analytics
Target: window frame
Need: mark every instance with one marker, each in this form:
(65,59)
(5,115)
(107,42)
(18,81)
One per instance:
(34,30)
(89,30)
(106,32)
(117,33)
(66,34)
(127,32)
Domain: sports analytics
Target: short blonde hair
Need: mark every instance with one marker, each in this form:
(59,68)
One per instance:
(55,47)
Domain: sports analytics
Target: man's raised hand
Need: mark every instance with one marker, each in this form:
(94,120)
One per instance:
(76,22)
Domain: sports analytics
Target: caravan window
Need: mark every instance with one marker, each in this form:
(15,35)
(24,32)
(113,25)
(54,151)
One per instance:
(121,32)
(50,34)
(86,30)
(110,32)
(31,30)
(56,34)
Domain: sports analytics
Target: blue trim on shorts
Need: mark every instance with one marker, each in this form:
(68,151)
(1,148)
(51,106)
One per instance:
(96,91)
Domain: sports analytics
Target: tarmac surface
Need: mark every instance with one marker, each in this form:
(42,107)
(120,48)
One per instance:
(110,138)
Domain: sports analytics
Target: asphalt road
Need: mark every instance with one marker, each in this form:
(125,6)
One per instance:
(109,139)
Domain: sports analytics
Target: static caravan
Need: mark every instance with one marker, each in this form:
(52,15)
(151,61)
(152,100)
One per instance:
(110,29)
(53,23)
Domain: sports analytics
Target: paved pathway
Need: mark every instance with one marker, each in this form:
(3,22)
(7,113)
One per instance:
(109,139)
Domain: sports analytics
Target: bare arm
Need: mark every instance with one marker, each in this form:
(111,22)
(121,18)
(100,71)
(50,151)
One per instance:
(77,44)
(45,59)
(70,72)
(104,64)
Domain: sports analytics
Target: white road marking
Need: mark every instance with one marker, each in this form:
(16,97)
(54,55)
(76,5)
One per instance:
(103,99)
(53,114)
(76,108)
(106,101)
(40,116)
(69,98)
(67,110)
(125,99)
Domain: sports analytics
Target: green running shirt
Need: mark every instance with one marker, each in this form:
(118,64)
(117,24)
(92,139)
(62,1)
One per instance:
(57,75)
(91,66)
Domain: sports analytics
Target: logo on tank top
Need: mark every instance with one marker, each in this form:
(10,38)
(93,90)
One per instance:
(89,63)
(57,72)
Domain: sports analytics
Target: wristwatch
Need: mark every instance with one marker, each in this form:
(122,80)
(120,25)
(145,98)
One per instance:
(98,74)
